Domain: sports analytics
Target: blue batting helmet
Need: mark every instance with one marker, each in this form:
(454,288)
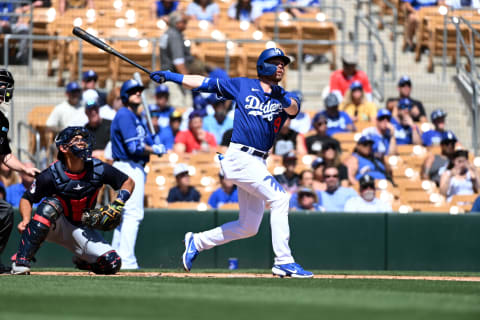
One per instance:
(128,88)
(268,69)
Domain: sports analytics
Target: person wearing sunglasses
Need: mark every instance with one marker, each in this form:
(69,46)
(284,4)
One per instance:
(435,164)
(335,196)
(367,201)
(316,141)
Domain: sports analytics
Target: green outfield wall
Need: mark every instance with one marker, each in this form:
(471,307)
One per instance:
(338,241)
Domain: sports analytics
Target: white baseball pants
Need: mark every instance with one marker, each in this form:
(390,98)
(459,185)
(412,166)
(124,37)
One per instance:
(125,235)
(255,187)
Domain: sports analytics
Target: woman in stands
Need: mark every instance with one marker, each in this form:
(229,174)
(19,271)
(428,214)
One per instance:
(357,106)
(245,10)
(331,157)
(203,10)
(460,178)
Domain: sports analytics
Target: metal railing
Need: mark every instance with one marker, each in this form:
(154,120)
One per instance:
(35,158)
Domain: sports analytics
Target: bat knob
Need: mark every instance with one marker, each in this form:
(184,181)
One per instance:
(158,76)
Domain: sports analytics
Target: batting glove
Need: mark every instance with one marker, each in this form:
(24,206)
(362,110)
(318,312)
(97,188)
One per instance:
(279,93)
(159,149)
(162,76)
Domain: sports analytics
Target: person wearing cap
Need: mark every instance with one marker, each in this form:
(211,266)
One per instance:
(114,103)
(460,178)
(306,181)
(89,82)
(463,4)
(160,111)
(318,182)
(392,105)
(69,112)
(307,200)
(331,157)
(366,201)
(362,161)
(417,111)
(434,136)
(167,135)
(289,140)
(411,7)
(342,79)
(356,105)
(289,178)
(316,141)
(334,196)
(383,135)
(218,122)
(195,138)
(183,191)
(162,8)
(435,164)
(337,121)
(64,5)
(406,131)
(99,128)
(227,193)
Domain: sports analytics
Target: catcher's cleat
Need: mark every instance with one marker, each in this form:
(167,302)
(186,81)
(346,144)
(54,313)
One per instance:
(190,252)
(20,269)
(293,270)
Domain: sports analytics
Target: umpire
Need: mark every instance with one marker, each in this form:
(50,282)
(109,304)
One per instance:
(131,149)
(6,212)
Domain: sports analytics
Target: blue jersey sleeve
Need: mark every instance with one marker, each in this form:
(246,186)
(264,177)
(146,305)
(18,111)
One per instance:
(228,88)
(128,129)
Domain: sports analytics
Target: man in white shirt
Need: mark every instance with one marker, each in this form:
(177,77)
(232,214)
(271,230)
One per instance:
(71,112)
(366,201)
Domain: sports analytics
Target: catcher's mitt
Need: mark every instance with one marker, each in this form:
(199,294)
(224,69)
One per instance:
(104,218)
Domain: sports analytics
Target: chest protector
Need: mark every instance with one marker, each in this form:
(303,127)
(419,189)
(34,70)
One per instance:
(77,192)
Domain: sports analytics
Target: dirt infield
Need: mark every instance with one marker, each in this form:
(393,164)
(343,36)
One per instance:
(254,275)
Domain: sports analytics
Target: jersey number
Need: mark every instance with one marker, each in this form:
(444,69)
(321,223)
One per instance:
(276,124)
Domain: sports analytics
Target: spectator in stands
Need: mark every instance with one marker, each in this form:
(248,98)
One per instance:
(305,181)
(245,10)
(302,123)
(340,80)
(36,4)
(417,111)
(337,121)
(167,135)
(162,8)
(218,122)
(195,138)
(203,10)
(392,106)
(161,110)
(15,191)
(460,178)
(366,201)
(64,5)
(114,102)
(435,164)
(318,182)
(331,157)
(269,5)
(70,112)
(463,4)
(356,105)
(99,128)
(335,196)
(383,135)
(476,205)
(89,82)
(316,142)
(289,140)
(406,132)
(227,136)
(304,6)
(307,200)
(13,24)
(183,191)
(289,179)
(227,193)
(411,7)
(433,137)
(362,161)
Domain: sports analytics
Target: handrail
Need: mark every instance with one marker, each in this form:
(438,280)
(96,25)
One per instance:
(394,33)
(20,125)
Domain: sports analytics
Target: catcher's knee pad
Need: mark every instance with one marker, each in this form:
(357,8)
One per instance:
(107,263)
(37,229)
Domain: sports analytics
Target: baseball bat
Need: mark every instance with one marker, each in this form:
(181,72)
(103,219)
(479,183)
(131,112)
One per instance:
(84,35)
(137,77)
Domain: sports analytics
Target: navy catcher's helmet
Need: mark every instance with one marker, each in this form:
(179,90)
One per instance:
(267,69)
(65,137)
(128,88)
(6,85)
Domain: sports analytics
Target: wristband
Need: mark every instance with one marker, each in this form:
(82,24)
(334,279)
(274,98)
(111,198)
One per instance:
(123,195)
(174,77)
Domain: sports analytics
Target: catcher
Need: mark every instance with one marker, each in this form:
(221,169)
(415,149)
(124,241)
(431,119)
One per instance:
(66,215)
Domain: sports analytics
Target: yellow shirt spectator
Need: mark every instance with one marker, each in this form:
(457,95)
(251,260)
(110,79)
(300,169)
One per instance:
(357,107)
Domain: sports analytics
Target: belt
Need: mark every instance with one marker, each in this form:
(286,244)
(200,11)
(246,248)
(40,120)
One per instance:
(254,152)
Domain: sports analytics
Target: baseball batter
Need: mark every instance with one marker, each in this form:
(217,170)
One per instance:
(262,108)
(69,188)
(132,145)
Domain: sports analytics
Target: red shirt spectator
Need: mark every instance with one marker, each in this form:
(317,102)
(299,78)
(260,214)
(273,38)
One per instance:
(194,138)
(340,80)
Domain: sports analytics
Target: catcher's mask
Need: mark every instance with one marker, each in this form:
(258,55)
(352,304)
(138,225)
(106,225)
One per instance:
(6,85)
(78,140)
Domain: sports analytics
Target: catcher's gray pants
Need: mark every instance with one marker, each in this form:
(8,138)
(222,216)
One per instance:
(85,243)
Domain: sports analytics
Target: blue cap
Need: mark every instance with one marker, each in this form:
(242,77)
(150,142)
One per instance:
(436,114)
(161,89)
(404,103)
(356,85)
(331,100)
(448,136)
(90,74)
(404,80)
(317,162)
(73,86)
(383,112)
(365,138)
(89,104)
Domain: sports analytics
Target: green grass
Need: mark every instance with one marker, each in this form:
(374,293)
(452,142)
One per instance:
(56,297)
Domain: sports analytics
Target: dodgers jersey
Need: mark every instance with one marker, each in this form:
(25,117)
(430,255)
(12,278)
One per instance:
(258,117)
(127,127)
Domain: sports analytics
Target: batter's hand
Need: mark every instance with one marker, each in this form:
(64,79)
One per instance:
(159,76)
(158,149)
(278,93)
